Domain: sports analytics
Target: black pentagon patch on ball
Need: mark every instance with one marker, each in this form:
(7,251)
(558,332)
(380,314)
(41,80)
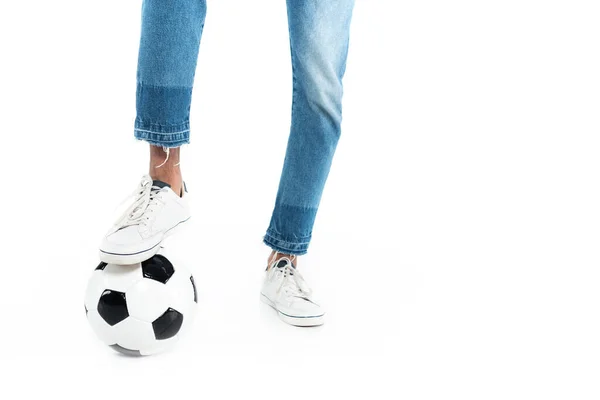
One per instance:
(158,268)
(112,307)
(127,352)
(86,310)
(101,266)
(167,325)
(194,287)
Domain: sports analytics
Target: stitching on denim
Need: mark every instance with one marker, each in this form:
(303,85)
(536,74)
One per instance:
(298,251)
(164,87)
(285,247)
(161,133)
(294,90)
(285,241)
(287,244)
(300,206)
(273,233)
(140,122)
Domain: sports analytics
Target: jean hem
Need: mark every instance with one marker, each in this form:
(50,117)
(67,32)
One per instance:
(286,247)
(176,138)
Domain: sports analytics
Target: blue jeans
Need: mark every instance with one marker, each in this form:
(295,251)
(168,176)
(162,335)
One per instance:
(319,33)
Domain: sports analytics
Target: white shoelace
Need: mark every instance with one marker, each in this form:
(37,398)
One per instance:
(146,200)
(292,283)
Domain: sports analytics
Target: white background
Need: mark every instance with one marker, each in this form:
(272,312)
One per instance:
(456,248)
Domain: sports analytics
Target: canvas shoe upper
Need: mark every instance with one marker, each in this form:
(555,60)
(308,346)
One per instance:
(136,236)
(285,290)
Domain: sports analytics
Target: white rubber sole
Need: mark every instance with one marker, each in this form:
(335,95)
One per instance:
(138,257)
(295,321)
(129,259)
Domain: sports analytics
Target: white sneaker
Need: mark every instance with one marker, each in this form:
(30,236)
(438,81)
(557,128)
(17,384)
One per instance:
(154,214)
(285,290)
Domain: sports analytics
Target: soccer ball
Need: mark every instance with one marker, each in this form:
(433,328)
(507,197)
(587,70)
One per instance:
(141,309)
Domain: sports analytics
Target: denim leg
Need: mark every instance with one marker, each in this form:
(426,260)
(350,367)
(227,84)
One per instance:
(319,34)
(171,32)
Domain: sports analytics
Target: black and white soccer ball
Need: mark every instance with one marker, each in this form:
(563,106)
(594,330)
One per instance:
(141,309)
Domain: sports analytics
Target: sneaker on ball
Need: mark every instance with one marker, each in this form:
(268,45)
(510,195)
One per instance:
(285,290)
(155,213)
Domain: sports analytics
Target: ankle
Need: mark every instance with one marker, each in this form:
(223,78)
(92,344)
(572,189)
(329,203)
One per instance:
(164,166)
(276,256)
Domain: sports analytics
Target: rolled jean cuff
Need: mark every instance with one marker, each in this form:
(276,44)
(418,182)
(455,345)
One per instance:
(164,136)
(284,246)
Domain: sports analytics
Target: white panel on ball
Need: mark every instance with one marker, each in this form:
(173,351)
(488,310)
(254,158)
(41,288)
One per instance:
(133,334)
(96,285)
(160,346)
(180,286)
(104,331)
(121,277)
(148,299)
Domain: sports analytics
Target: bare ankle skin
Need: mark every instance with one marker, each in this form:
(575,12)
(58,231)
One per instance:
(276,256)
(167,171)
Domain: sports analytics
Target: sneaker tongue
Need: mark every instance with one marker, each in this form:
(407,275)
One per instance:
(160,184)
(282,262)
